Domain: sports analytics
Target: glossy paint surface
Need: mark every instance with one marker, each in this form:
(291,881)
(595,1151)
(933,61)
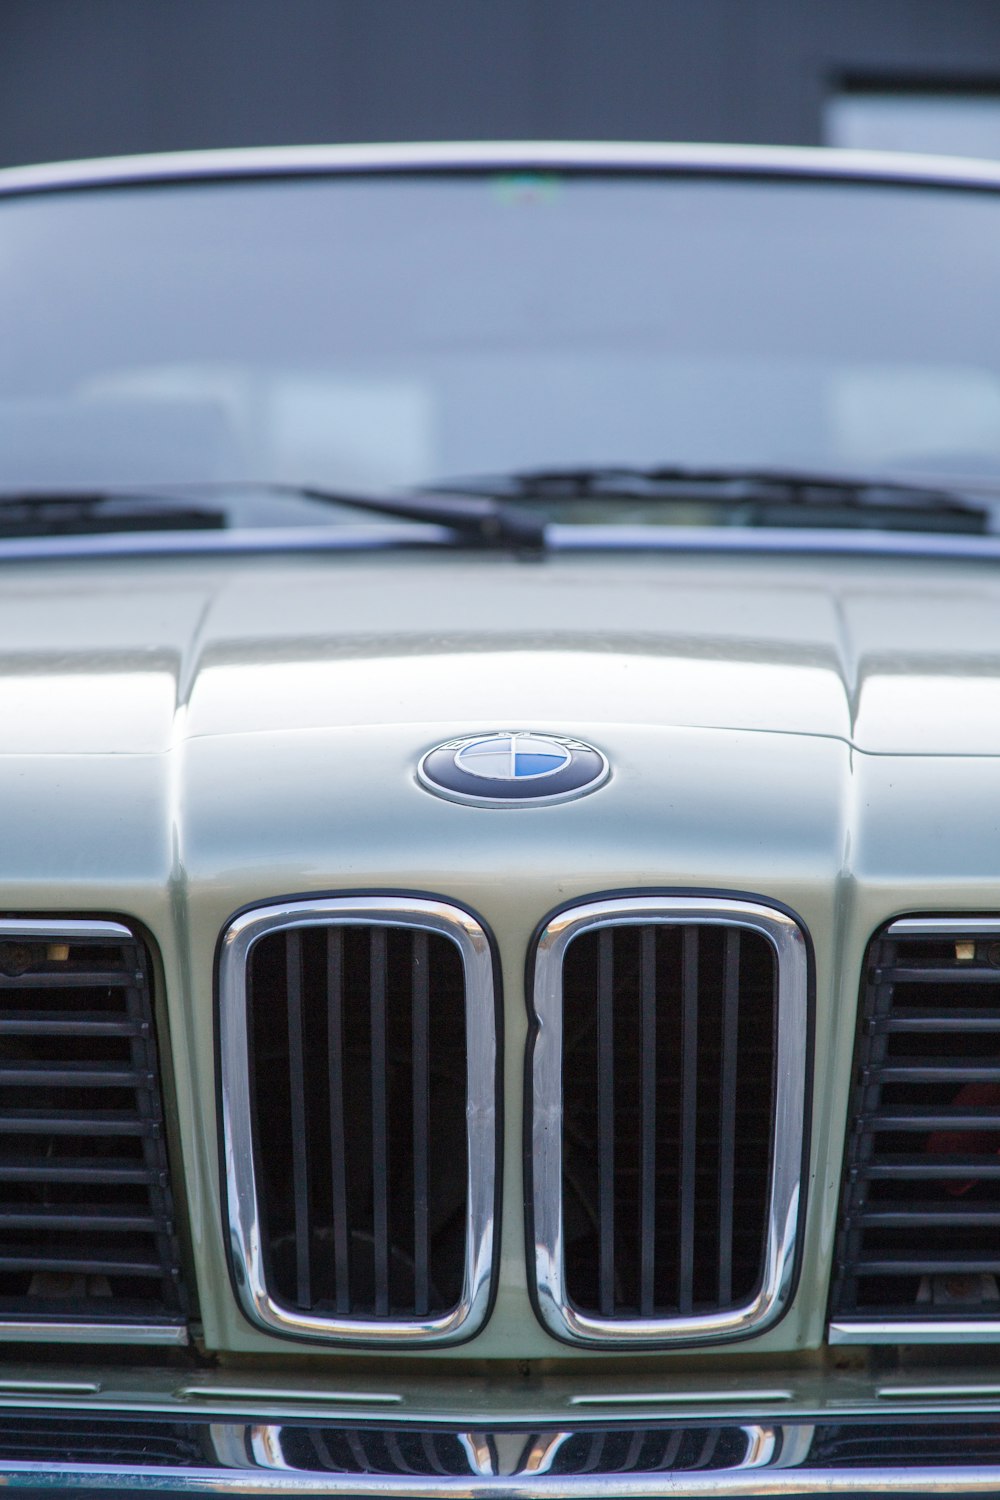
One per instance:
(182,739)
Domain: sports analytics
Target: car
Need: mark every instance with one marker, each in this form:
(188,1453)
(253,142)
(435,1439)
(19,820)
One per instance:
(500,805)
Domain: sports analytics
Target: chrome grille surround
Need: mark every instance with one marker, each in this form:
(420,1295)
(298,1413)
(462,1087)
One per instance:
(546,1235)
(244,1227)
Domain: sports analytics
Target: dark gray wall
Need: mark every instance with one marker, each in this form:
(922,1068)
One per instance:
(92,77)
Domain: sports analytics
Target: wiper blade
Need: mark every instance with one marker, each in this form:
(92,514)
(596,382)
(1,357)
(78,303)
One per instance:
(752,496)
(86,513)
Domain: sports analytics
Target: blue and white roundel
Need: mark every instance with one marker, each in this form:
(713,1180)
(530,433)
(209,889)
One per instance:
(513,768)
(507,757)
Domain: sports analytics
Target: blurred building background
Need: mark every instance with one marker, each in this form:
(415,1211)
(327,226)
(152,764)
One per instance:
(97,77)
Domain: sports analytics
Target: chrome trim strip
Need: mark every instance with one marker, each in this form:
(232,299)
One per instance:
(165,1334)
(43,1388)
(237,542)
(259,1455)
(749,1482)
(933,1331)
(241,1190)
(788,942)
(248,1395)
(780,541)
(942,926)
(638,1399)
(580,156)
(39,927)
(938,1392)
(681,540)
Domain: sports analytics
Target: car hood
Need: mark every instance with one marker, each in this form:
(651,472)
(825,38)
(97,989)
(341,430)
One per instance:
(893,659)
(182,741)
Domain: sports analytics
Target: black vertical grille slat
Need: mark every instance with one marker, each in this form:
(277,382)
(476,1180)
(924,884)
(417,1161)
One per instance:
(300,1139)
(86,1214)
(401,1465)
(634,1449)
(920,1201)
(429,1443)
(668,1458)
(421,1125)
(647,1195)
(689,1115)
(377,1084)
(727,1111)
(669,1037)
(606,1122)
(338,1123)
(380,1125)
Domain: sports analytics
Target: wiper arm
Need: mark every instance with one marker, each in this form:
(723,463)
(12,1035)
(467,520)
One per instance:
(486,520)
(81,513)
(751,496)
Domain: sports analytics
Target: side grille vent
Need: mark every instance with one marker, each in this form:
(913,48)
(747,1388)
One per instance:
(100,1439)
(86,1221)
(920,1215)
(681,1033)
(369,1036)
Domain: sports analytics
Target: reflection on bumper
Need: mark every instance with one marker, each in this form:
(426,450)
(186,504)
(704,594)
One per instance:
(854,1457)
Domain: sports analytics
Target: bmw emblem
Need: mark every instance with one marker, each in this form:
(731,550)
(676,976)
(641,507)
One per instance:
(513,768)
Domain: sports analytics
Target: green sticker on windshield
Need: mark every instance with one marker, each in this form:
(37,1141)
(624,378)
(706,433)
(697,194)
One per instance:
(526,187)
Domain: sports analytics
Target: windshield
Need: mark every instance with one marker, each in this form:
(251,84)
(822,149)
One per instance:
(397,331)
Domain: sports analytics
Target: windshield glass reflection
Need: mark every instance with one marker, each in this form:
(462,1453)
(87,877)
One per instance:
(391,330)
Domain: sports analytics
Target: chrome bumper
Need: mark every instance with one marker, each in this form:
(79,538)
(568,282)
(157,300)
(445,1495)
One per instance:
(954,1455)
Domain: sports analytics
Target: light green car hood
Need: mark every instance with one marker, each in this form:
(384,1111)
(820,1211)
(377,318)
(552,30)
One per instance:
(895,658)
(182,739)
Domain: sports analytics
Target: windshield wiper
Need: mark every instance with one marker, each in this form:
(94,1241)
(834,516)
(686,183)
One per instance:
(485,521)
(513,510)
(80,513)
(750,496)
